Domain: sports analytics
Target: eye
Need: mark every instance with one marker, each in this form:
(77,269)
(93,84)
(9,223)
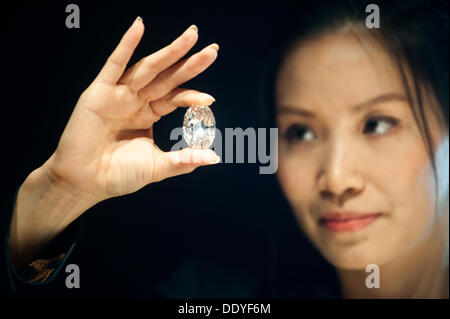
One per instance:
(379,125)
(298,133)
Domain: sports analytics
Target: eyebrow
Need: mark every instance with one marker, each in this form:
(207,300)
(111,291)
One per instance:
(286,109)
(378,100)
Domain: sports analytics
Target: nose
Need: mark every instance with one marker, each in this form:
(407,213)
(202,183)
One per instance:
(339,177)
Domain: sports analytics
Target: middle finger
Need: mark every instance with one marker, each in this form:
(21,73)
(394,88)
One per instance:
(148,68)
(179,73)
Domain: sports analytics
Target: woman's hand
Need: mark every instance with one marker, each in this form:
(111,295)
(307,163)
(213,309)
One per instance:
(107,148)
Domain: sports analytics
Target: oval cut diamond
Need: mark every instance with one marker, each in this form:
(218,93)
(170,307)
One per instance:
(199,127)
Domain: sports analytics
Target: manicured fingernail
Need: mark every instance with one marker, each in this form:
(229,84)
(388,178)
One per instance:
(212,157)
(215,46)
(208,97)
(216,159)
(193,27)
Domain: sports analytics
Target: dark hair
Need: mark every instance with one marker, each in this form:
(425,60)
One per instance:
(414,32)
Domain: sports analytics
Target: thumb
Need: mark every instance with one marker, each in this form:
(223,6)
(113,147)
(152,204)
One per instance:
(169,164)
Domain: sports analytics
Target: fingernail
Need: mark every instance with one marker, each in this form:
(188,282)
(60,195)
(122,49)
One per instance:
(213,158)
(215,46)
(139,19)
(208,97)
(193,27)
(216,159)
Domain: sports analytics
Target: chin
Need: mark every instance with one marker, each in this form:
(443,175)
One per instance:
(350,264)
(353,257)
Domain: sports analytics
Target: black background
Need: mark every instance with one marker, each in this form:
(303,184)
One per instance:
(226,215)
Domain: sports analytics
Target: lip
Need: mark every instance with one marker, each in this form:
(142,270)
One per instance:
(347,221)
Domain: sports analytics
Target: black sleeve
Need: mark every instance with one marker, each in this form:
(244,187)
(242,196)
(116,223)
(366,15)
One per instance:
(45,267)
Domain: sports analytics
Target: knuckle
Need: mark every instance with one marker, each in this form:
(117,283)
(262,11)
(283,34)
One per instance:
(116,62)
(192,67)
(164,87)
(143,95)
(122,92)
(155,111)
(172,50)
(150,66)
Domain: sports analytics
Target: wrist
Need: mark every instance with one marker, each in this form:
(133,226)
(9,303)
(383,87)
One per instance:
(44,207)
(59,186)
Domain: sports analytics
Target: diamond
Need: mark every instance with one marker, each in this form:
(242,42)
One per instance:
(199,127)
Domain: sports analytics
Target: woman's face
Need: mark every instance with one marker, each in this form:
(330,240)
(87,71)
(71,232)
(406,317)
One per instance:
(352,162)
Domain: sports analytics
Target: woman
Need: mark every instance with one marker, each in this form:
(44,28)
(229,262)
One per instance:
(351,105)
(363,153)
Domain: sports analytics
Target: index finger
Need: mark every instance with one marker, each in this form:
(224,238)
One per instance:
(118,60)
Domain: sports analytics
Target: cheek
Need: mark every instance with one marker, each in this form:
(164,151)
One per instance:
(402,173)
(406,173)
(296,177)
